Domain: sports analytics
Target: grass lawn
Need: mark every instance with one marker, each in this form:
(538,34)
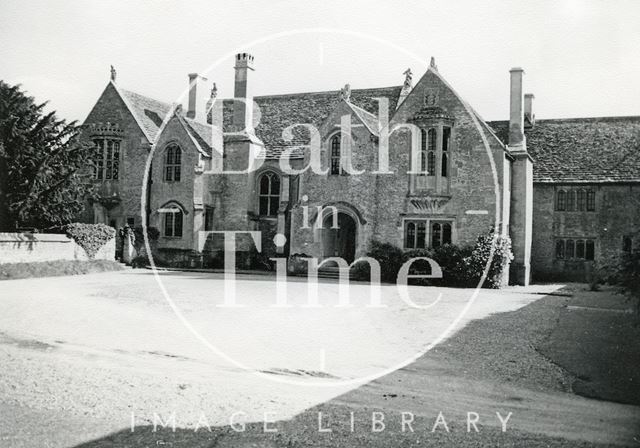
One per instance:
(12,271)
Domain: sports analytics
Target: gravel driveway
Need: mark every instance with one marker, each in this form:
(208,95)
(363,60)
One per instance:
(83,357)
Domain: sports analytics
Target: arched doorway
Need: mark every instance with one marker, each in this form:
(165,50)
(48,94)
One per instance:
(340,241)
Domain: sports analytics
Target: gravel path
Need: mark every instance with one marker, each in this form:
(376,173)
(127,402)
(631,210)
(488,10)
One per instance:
(80,357)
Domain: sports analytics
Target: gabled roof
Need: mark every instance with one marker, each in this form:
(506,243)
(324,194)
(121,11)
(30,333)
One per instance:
(201,133)
(147,112)
(605,149)
(280,111)
(368,119)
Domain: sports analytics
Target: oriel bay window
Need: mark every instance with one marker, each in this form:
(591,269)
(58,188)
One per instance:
(107,165)
(432,160)
(423,233)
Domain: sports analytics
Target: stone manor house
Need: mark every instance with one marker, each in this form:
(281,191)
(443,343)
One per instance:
(567,191)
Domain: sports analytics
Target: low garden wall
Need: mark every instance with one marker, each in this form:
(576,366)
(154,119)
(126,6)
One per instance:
(32,247)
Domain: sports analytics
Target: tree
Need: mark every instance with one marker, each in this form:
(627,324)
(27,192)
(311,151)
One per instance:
(44,167)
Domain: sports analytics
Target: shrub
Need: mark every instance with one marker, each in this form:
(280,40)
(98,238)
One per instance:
(152,233)
(298,263)
(461,265)
(475,264)
(390,258)
(91,237)
(630,276)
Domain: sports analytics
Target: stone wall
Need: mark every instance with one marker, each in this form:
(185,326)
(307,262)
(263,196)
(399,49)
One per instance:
(617,213)
(34,247)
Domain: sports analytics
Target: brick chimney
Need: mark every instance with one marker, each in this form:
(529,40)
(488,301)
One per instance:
(242,110)
(516,108)
(193,84)
(529,116)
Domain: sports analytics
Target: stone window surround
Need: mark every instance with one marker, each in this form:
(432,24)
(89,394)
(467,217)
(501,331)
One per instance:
(164,214)
(343,154)
(561,245)
(271,196)
(428,224)
(442,183)
(102,166)
(570,198)
(175,167)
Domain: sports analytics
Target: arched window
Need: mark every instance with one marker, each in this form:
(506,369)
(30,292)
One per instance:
(173,217)
(591,200)
(335,168)
(431,152)
(560,249)
(269,193)
(571,200)
(561,200)
(172,162)
(582,200)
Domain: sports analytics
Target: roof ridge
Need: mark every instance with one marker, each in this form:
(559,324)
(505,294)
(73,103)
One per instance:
(321,92)
(578,119)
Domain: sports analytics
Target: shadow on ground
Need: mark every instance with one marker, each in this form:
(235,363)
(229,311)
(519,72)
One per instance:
(526,362)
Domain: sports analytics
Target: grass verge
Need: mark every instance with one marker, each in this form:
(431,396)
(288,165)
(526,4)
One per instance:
(12,271)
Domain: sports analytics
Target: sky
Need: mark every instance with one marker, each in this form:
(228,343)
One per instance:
(581,58)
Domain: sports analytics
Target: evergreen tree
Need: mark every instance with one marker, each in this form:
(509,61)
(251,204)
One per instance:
(44,168)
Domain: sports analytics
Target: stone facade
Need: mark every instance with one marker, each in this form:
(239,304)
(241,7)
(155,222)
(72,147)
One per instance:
(616,216)
(453,175)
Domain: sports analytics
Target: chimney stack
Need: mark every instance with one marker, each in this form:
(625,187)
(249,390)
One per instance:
(516,109)
(528,109)
(243,105)
(193,84)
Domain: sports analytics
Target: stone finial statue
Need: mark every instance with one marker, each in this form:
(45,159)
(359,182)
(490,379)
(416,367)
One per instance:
(408,77)
(345,92)
(113,74)
(214,91)
(432,64)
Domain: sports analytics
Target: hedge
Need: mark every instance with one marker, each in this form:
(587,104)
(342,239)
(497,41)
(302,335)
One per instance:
(91,237)
(461,265)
